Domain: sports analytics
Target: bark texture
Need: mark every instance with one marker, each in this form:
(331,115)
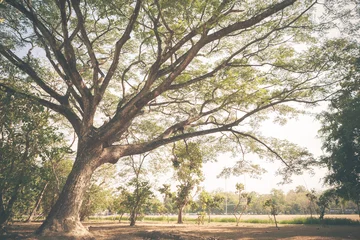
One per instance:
(64,215)
(180,215)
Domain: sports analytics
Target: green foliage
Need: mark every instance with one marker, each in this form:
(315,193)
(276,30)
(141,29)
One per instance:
(132,76)
(275,203)
(168,202)
(244,200)
(325,199)
(97,199)
(57,172)
(136,200)
(209,202)
(326,221)
(340,132)
(27,144)
(187,162)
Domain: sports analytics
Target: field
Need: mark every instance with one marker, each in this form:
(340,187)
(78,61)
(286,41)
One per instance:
(111,230)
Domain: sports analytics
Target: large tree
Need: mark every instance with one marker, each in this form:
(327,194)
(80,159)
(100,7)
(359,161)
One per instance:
(341,133)
(133,75)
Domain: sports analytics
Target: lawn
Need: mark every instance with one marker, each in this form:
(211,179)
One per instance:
(111,230)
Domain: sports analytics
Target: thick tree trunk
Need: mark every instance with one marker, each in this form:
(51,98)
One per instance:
(32,214)
(180,215)
(133,218)
(63,218)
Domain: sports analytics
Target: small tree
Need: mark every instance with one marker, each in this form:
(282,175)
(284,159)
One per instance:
(167,203)
(244,200)
(312,198)
(118,204)
(274,208)
(138,198)
(325,199)
(138,188)
(209,202)
(187,163)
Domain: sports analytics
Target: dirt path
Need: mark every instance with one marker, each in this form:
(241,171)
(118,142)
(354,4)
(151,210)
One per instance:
(213,231)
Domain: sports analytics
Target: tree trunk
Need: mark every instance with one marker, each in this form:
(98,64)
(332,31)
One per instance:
(32,214)
(180,215)
(63,218)
(275,221)
(132,218)
(121,215)
(4,217)
(6,211)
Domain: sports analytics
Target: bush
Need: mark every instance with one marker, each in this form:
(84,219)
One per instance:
(326,221)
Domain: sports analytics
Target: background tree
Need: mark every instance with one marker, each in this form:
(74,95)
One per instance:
(341,133)
(273,207)
(57,168)
(187,162)
(98,196)
(165,190)
(117,205)
(276,203)
(26,140)
(190,68)
(138,198)
(139,187)
(243,202)
(296,201)
(121,205)
(311,196)
(324,201)
(209,202)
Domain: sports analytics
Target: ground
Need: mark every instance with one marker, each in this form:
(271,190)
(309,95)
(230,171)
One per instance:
(213,231)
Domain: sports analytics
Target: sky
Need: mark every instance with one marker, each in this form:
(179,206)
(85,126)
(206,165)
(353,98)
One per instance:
(302,131)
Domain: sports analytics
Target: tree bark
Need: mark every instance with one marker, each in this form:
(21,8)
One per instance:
(6,211)
(31,216)
(275,221)
(132,218)
(63,218)
(4,217)
(180,215)
(121,215)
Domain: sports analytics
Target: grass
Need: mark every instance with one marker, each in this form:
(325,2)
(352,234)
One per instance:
(297,220)
(326,221)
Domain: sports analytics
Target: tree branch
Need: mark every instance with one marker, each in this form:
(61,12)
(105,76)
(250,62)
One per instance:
(118,47)
(66,112)
(31,72)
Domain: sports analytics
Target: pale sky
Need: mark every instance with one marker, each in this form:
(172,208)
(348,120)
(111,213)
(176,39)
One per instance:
(302,131)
